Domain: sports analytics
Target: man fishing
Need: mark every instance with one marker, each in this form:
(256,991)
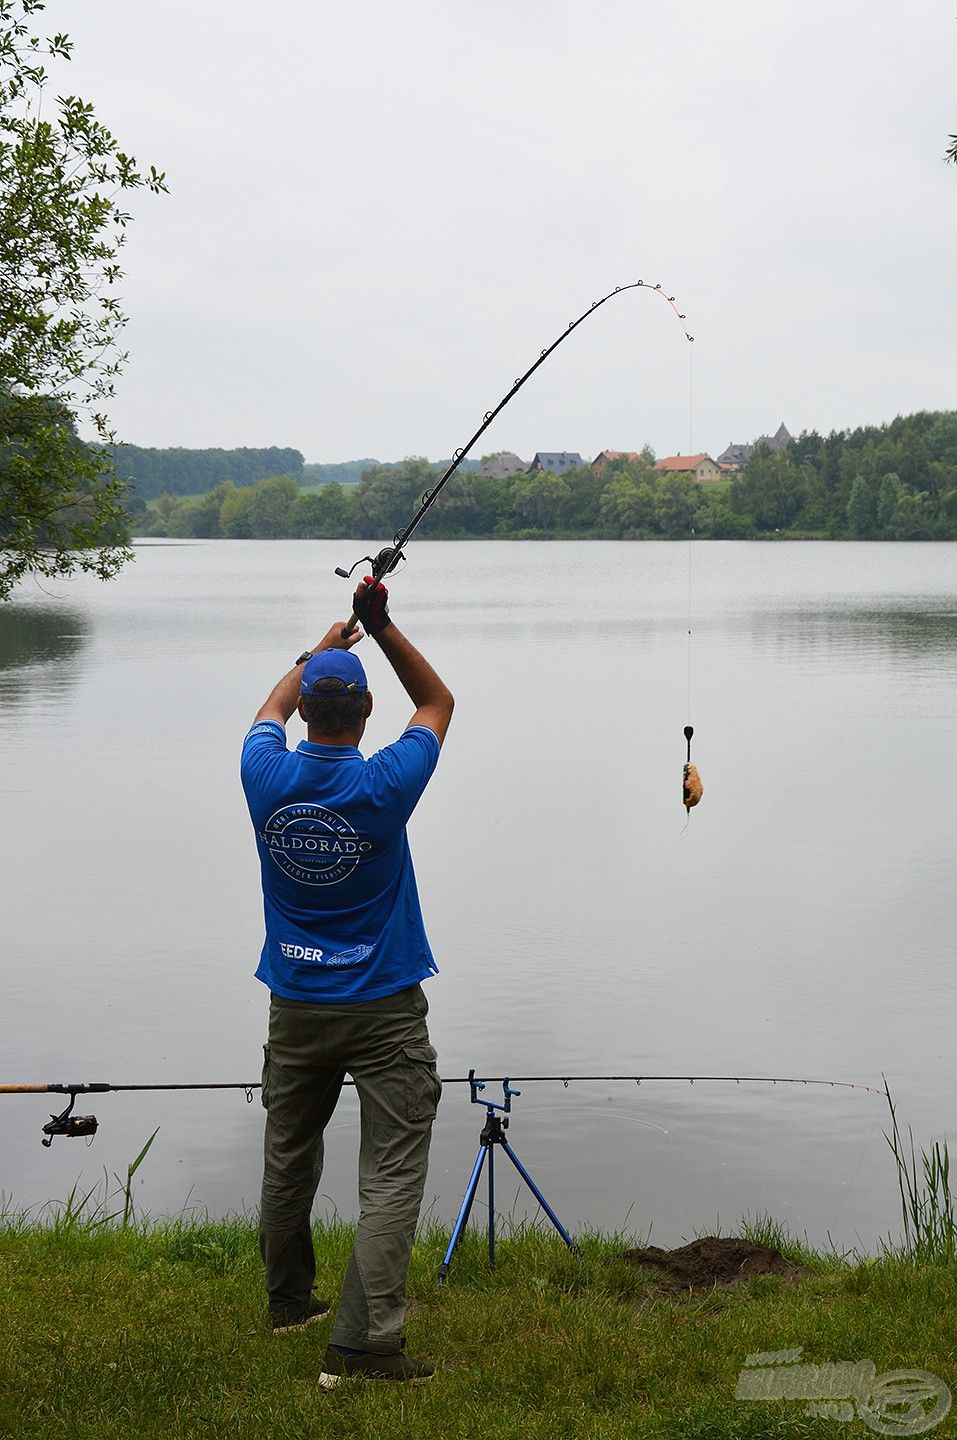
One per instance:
(344,955)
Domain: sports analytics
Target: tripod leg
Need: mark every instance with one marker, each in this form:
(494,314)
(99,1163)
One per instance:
(464,1211)
(491,1207)
(539,1196)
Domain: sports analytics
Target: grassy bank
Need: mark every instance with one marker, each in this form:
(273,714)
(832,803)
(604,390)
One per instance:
(161,1331)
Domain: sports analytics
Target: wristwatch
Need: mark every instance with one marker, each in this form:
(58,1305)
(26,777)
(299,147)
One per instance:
(306,655)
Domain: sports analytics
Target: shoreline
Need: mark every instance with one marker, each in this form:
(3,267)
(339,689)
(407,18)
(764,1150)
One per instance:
(562,536)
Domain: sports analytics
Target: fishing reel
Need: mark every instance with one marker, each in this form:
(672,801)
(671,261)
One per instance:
(385,563)
(68,1124)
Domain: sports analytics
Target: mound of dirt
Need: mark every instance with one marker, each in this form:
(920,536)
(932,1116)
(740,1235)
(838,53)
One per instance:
(713,1260)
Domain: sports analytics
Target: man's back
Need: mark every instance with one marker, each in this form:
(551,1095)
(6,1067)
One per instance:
(343,920)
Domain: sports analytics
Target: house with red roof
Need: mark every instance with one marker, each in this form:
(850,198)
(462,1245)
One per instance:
(701,468)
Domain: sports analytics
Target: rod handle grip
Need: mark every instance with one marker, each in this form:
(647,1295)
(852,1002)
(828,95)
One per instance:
(349,626)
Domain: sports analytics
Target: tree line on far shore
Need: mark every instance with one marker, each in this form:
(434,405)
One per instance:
(896,482)
(179,471)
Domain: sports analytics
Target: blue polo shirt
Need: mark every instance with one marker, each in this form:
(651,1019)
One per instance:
(343,920)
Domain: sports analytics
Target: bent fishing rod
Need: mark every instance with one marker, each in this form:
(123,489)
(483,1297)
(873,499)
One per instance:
(66,1123)
(385,562)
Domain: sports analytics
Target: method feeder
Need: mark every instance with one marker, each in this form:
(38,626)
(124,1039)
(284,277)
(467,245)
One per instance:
(385,562)
(66,1123)
(691,786)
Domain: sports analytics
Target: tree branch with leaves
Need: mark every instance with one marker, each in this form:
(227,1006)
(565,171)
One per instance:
(62,229)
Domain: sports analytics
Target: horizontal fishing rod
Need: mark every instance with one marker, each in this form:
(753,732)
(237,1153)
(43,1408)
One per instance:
(66,1123)
(101,1087)
(388,558)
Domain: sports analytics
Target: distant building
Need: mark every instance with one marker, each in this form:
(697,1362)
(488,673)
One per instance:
(607,456)
(778,441)
(502,463)
(556,462)
(702,469)
(737,455)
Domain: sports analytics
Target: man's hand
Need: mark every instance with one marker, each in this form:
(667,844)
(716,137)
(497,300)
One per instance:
(335,640)
(371,604)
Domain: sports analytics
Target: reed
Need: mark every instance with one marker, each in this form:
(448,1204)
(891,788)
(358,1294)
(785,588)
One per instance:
(927,1201)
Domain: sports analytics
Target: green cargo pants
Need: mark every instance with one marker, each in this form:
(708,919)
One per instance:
(384,1045)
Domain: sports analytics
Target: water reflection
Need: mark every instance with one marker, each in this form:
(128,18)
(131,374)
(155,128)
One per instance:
(879,635)
(33,636)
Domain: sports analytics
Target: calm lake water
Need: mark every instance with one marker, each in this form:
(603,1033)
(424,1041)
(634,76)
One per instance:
(803,924)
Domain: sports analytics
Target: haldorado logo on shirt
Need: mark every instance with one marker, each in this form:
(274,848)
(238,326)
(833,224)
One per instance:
(312,844)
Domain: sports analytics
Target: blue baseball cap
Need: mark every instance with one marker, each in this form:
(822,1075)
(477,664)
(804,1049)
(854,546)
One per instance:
(334,664)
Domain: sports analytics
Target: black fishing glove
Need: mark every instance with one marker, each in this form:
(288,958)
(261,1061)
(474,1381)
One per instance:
(372,607)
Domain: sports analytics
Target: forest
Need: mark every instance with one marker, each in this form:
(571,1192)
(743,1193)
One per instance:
(179,471)
(896,481)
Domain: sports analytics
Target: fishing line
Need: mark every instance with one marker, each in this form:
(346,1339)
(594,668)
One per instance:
(689,729)
(691,402)
(856,1171)
(691,786)
(691,527)
(690,540)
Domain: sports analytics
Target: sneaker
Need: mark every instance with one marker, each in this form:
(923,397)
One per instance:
(366,1363)
(297,1317)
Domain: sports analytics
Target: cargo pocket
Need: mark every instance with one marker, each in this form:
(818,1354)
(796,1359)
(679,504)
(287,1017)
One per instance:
(422,1084)
(265,1080)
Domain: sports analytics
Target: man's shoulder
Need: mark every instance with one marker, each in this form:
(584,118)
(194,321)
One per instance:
(420,735)
(263,746)
(403,769)
(415,743)
(271,729)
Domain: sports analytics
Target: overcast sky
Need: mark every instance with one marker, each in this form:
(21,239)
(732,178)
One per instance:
(381,213)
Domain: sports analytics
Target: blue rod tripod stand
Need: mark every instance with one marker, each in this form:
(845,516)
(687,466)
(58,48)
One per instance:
(493,1133)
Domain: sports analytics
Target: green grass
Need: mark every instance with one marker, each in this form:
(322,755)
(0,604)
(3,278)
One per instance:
(116,1328)
(161,1331)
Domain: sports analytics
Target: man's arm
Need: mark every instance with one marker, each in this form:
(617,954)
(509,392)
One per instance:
(285,697)
(432,698)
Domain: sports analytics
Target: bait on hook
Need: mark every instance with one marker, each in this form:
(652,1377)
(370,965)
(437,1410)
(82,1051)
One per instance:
(691,786)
